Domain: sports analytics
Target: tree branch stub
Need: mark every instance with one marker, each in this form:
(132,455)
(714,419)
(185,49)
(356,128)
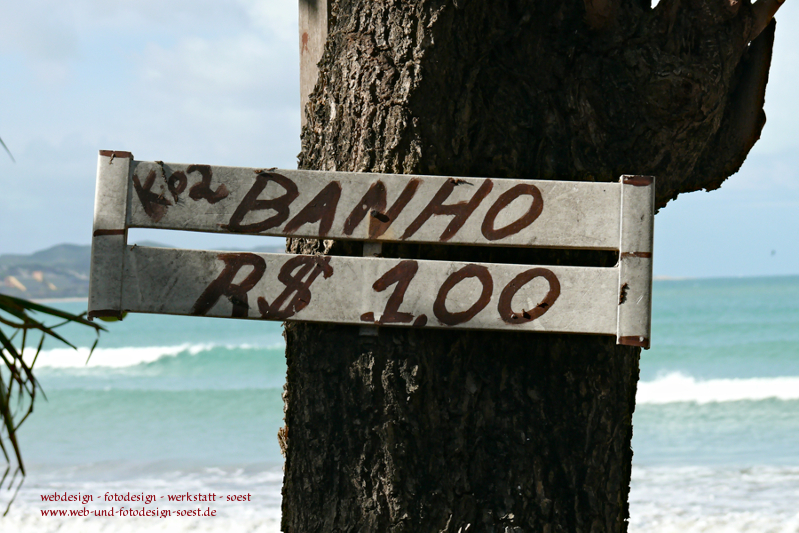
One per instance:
(763,12)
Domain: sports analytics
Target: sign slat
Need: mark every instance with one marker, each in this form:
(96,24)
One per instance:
(635,261)
(110,230)
(370,291)
(385,207)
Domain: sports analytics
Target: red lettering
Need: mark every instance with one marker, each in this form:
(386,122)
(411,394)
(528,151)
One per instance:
(402,274)
(510,290)
(309,265)
(461,210)
(177,184)
(251,203)
(469,271)
(223,284)
(202,189)
(502,202)
(321,209)
(155,205)
(374,201)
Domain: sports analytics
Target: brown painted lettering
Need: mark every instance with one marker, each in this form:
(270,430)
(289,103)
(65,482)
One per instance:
(502,202)
(375,200)
(298,284)
(202,189)
(461,210)
(155,205)
(469,271)
(321,209)
(510,290)
(177,184)
(223,284)
(401,275)
(251,203)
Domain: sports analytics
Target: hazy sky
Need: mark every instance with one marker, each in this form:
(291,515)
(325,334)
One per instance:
(217,82)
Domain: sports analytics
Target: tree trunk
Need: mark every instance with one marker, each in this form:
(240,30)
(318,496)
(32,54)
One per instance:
(424,430)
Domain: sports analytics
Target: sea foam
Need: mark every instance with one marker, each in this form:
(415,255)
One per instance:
(109,357)
(678,387)
(124,357)
(714,500)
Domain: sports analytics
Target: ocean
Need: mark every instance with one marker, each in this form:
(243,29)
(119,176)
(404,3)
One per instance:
(169,406)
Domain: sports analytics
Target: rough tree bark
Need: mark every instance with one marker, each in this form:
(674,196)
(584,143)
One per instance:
(431,430)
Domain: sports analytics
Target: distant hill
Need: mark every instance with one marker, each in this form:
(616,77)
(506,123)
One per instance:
(61,271)
(58,272)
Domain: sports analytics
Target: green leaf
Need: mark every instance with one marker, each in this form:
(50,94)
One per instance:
(31,306)
(16,404)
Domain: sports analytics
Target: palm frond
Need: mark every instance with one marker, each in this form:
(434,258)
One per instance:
(21,317)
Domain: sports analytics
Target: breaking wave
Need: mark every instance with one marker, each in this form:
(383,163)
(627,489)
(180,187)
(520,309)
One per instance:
(678,387)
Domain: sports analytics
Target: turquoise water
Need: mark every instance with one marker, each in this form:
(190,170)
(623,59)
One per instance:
(728,348)
(191,391)
(196,402)
(720,328)
(716,428)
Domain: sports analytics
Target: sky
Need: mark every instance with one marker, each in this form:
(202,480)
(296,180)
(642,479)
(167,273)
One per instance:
(218,82)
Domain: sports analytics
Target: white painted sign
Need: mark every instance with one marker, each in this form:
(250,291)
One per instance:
(374,208)
(381,207)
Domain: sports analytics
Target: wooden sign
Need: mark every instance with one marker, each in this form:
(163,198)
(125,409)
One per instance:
(380,207)
(373,208)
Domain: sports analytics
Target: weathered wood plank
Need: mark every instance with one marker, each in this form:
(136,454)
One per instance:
(314,16)
(374,208)
(635,261)
(110,231)
(383,207)
(363,291)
